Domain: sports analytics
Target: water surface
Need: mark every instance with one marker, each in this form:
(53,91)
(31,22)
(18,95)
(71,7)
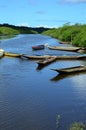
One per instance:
(32,98)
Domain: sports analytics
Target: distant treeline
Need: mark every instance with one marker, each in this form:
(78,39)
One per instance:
(6,29)
(74,34)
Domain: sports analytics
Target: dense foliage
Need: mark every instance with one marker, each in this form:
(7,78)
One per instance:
(75,34)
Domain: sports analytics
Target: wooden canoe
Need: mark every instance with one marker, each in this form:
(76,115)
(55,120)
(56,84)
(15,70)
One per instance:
(38,47)
(63,42)
(63,57)
(73,57)
(47,60)
(35,56)
(75,69)
(10,54)
(63,48)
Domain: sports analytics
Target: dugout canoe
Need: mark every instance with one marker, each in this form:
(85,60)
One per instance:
(35,56)
(38,47)
(70,70)
(72,57)
(63,57)
(10,54)
(61,42)
(63,48)
(46,60)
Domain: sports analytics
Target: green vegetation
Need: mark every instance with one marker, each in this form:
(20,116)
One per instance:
(77,126)
(73,126)
(6,29)
(75,34)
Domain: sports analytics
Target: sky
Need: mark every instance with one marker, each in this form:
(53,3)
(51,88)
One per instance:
(42,13)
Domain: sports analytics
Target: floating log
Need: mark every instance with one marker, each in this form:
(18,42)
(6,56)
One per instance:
(63,48)
(10,54)
(75,69)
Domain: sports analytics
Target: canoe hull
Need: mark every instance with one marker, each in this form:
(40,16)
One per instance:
(64,42)
(62,48)
(47,61)
(9,54)
(38,47)
(35,57)
(70,70)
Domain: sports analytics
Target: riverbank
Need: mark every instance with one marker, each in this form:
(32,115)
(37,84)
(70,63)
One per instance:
(73,34)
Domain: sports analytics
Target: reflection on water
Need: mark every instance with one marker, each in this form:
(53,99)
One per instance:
(40,67)
(62,76)
(6,37)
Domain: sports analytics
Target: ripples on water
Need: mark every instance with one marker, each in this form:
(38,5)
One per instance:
(31,98)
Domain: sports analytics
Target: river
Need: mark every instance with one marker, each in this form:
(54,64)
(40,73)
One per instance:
(32,98)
